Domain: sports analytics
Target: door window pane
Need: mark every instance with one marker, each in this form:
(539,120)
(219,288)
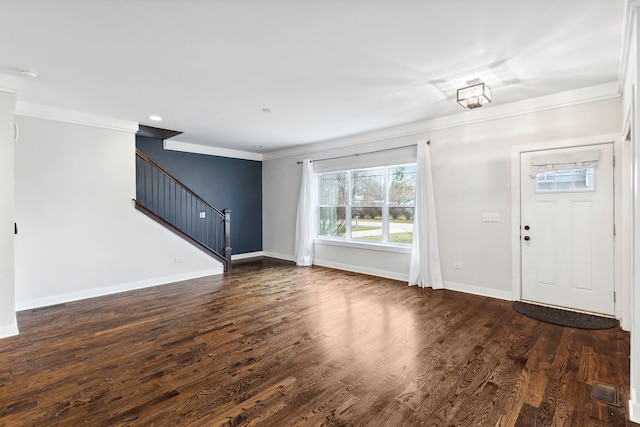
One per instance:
(565,180)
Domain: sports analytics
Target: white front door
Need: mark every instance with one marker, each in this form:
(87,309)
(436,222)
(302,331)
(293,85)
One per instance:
(567,228)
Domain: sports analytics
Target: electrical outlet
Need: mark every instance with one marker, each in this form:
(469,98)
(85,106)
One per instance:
(203,214)
(457,265)
(179,259)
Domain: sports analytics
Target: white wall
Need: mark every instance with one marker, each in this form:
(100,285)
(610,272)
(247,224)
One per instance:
(8,324)
(79,234)
(471,174)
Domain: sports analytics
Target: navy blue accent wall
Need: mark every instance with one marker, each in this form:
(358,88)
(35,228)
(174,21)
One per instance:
(223,182)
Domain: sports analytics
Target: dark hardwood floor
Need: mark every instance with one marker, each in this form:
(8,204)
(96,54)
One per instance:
(276,345)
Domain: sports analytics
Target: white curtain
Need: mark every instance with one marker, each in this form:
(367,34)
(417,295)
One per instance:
(305,222)
(425,257)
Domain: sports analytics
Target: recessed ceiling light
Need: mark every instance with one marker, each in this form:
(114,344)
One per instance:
(266,110)
(155,118)
(29,73)
(259,146)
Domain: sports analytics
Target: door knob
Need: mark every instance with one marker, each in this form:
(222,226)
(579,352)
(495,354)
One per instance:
(527,238)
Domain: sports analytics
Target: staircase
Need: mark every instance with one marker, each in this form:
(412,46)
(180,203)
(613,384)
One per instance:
(171,203)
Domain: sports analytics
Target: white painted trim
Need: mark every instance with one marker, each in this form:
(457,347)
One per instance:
(549,102)
(634,406)
(9,83)
(627,40)
(371,246)
(459,287)
(188,147)
(478,290)
(76,117)
(277,255)
(516,285)
(247,255)
(9,330)
(362,270)
(92,293)
(623,238)
(7,89)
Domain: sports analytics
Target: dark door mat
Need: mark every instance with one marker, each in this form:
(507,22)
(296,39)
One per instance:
(564,317)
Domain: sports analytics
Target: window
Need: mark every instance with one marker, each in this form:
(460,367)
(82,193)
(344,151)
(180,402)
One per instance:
(379,204)
(565,180)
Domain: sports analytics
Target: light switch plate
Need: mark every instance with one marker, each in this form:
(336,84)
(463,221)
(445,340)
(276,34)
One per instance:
(491,217)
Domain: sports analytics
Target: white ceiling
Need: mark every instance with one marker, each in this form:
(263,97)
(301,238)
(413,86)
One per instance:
(326,68)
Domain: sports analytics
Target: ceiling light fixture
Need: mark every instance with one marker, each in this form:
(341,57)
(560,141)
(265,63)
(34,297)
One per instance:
(155,118)
(29,73)
(475,95)
(266,110)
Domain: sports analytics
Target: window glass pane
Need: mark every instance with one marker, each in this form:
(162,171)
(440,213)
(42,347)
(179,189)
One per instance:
(565,180)
(332,221)
(400,225)
(402,186)
(546,186)
(378,200)
(366,223)
(583,179)
(333,189)
(367,187)
(563,183)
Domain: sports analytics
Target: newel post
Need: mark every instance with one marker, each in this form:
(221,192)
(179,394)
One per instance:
(227,237)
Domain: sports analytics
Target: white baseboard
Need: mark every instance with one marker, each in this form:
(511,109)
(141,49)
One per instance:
(98,292)
(279,256)
(625,323)
(247,255)
(9,330)
(634,406)
(364,270)
(478,290)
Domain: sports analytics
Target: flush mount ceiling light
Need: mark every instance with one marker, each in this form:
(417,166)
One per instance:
(155,118)
(267,110)
(475,95)
(29,73)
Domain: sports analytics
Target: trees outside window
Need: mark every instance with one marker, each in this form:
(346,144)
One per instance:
(368,204)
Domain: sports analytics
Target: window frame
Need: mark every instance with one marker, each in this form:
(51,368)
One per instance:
(348,239)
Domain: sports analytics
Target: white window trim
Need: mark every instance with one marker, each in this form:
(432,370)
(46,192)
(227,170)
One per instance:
(359,244)
(363,244)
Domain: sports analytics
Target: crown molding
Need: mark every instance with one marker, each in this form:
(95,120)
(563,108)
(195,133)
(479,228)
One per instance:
(628,20)
(9,83)
(189,147)
(76,117)
(549,102)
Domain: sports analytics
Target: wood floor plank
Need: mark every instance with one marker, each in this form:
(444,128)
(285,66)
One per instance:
(277,345)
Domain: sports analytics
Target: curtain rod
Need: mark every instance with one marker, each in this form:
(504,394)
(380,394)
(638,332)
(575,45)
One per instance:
(362,154)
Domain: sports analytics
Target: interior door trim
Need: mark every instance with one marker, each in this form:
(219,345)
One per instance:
(516,270)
